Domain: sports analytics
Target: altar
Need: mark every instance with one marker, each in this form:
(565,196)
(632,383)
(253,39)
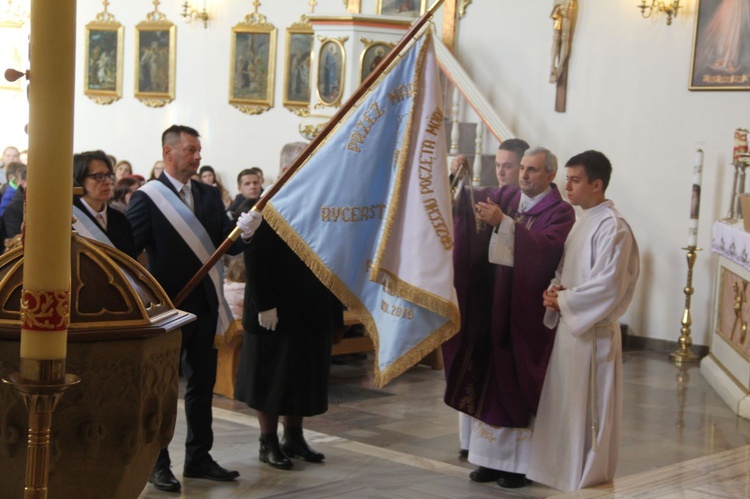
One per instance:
(727,366)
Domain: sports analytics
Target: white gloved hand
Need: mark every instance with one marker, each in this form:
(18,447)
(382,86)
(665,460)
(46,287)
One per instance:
(268,319)
(249,223)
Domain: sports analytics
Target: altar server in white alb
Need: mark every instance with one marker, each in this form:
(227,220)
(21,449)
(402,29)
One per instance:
(577,432)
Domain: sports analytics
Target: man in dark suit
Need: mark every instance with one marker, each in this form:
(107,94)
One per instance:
(173,260)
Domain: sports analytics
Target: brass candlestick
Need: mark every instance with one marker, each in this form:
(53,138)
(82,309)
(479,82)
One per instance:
(684,354)
(41,383)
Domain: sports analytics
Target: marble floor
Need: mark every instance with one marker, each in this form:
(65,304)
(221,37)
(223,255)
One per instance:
(680,440)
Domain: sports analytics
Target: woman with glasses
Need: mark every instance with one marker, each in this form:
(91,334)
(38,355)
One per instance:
(92,170)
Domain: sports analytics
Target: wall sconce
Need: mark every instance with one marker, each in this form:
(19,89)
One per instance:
(670,10)
(191,14)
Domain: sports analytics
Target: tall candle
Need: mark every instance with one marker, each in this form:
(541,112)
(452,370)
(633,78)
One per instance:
(49,195)
(695,201)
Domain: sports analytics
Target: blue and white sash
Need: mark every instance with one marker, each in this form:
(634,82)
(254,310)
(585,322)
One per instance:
(88,228)
(195,236)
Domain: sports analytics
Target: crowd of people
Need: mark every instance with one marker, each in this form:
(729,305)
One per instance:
(535,371)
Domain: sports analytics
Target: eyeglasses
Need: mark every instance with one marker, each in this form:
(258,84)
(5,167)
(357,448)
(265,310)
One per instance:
(100,177)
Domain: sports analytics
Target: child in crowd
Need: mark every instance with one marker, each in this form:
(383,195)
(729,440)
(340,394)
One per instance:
(234,285)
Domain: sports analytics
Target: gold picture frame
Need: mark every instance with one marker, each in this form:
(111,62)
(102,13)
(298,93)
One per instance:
(331,70)
(298,64)
(103,49)
(252,65)
(12,47)
(406,8)
(373,52)
(155,59)
(721,56)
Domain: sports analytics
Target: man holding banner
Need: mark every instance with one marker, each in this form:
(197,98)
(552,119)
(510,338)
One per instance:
(180,222)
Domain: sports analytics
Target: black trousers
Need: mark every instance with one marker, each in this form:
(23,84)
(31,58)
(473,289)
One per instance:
(198,362)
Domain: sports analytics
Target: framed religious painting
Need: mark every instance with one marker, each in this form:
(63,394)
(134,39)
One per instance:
(12,47)
(721,46)
(103,49)
(407,8)
(331,65)
(251,79)
(297,67)
(372,54)
(155,59)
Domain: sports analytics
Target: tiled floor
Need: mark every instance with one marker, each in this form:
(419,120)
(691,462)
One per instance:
(679,440)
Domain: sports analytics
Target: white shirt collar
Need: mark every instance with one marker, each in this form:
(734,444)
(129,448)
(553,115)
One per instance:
(176,183)
(93,212)
(527,202)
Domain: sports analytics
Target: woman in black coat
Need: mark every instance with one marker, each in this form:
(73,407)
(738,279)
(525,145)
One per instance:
(285,358)
(92,170)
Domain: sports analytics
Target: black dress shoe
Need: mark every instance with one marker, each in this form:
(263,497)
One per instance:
(210,470)
(509,480)
(270,452)
(293,444)
(463,452)
(484,475)
(163,479)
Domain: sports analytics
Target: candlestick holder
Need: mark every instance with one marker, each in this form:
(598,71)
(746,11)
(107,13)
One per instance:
(41,383)
(741,167)
(683,354)
(738,188)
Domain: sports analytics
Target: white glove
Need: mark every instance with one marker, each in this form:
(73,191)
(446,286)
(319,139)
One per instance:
(249,223)
(268,319)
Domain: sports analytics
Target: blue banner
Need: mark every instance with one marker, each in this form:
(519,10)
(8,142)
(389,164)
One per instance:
(345,213)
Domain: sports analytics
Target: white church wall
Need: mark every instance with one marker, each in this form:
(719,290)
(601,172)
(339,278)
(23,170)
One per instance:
(628,97)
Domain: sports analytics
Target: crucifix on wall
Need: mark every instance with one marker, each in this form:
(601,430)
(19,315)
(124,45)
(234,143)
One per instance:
(563,17)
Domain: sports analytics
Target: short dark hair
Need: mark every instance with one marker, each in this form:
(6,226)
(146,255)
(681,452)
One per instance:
(246,171)
(123,186)
(595,164)
(172,133)
(81,164)
(13,167)
(206,168)
(516,146)
(257,171)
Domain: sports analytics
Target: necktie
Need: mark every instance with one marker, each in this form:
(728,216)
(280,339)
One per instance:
(187,196)
(102,222)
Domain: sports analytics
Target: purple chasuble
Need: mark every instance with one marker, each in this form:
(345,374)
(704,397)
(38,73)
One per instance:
(495,366)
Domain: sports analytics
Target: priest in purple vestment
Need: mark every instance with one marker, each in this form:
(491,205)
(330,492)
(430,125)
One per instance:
(496,366)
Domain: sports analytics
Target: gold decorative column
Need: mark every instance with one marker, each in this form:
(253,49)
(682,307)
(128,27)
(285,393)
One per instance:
(449,23)
(45,299)
(683,353)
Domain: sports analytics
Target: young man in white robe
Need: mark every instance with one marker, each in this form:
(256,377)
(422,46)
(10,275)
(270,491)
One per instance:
(577,432)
